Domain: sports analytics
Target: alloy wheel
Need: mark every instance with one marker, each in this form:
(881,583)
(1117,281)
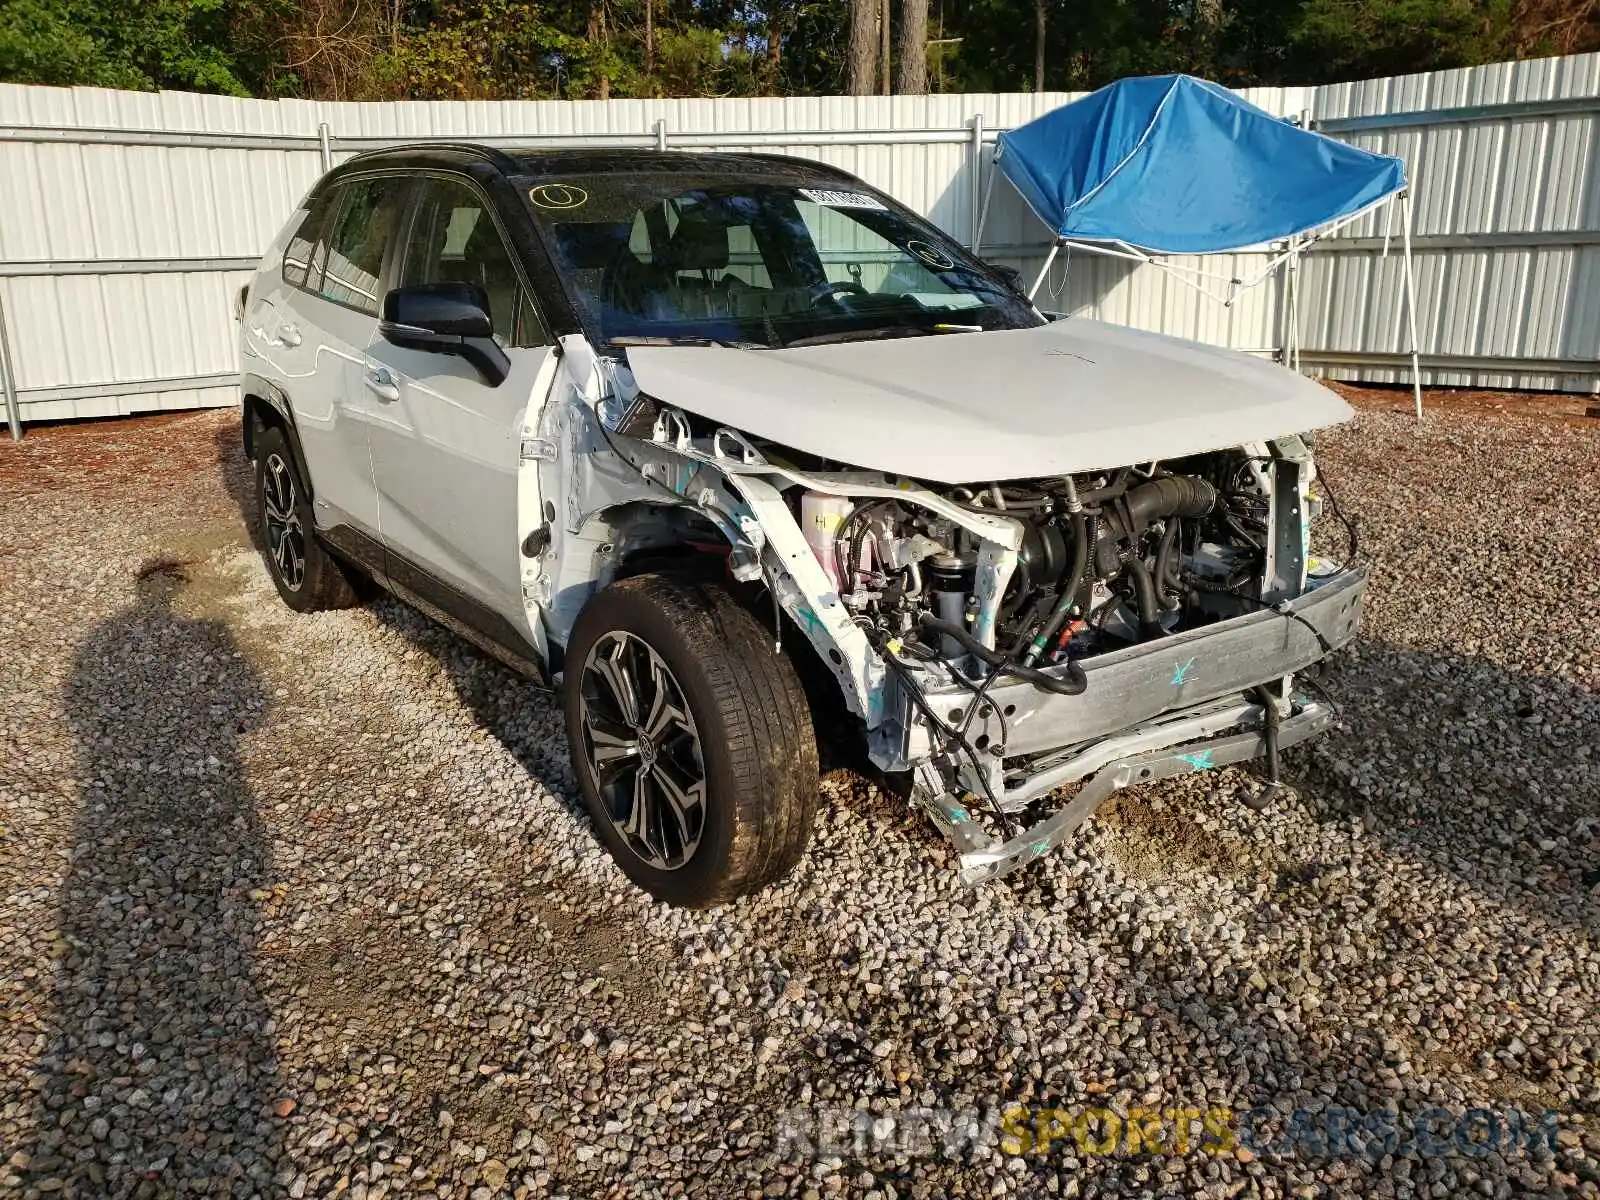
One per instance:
(286,536)
(642,750)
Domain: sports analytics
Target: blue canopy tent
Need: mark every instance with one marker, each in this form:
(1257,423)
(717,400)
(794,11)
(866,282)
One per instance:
(1173,165)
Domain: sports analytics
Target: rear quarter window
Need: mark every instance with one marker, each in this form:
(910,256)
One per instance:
(302,258)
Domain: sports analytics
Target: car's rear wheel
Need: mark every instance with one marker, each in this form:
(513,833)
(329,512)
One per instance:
(691,739)
(307,577)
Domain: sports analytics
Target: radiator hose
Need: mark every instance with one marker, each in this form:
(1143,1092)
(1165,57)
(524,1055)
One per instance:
(1081,537)
(1072,683)
(1127,517)
(1144,593)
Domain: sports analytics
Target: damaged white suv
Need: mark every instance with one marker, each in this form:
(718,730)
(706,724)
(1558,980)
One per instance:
(729,444)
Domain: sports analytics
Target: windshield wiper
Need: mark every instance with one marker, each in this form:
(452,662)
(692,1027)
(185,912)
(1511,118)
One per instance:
(684,340)
(882,331)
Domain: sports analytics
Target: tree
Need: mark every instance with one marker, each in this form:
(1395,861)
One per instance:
(575,49)
(816,49)
(1338,39)
(863,47)
(1038,44)
(911,76)
(153,44)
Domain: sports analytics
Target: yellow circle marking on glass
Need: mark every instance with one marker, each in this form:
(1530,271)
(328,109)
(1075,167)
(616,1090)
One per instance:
(558,195)
(931,255)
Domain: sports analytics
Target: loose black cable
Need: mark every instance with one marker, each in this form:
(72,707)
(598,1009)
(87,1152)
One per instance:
(1198,586)
(1071,684)
(915,694)
(979,693)
(1349,525)
(847,570)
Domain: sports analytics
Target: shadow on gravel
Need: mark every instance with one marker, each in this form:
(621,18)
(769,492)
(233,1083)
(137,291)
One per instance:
(159,1076)
(523,717)
(1489,775)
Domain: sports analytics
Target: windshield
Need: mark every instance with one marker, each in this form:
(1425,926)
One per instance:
(680,258)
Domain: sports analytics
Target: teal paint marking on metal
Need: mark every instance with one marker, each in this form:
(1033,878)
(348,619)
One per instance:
(1200,760)
(1181,673)
(807,618)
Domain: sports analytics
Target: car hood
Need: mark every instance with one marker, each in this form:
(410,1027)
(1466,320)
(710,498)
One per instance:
(1074,395)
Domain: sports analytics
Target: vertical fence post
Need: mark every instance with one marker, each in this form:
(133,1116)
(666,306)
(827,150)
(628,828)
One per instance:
(661,133)
(975,163)
(983,210)
(8,376)
(327,146)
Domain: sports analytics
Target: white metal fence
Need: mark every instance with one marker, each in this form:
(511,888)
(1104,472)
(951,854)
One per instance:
(129,220)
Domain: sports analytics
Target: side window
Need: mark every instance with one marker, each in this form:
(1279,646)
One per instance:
(367,218)
(302,257)
(454,240)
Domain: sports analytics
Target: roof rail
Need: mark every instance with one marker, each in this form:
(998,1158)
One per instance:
(488,153)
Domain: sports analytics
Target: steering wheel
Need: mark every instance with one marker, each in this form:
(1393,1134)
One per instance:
(829,289)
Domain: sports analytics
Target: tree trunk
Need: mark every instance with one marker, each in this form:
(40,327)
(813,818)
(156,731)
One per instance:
(597,37)
(913,65)
(649,41)
(774,51)
(863,47)
(1038,45)
(883,49)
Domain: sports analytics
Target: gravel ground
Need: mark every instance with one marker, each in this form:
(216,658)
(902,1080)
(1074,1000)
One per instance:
(307,905)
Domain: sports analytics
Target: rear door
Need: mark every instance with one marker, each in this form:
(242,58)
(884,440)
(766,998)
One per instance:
(327,319)
(447,457)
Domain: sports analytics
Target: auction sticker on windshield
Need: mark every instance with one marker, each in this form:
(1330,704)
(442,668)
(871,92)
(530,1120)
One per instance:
(841,199)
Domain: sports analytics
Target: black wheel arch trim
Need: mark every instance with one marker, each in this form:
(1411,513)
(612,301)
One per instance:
(258,392)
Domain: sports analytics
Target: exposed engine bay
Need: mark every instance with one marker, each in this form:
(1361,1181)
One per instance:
(1105,561)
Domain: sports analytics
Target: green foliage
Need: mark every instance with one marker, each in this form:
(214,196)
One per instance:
(471,49)
(147,44)
(1392,37)
(501,49)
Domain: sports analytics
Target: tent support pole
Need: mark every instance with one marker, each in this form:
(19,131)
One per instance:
(983,212)
(975,162)
(1411,302)
(1283,266)
(1055,246)
(1294,306)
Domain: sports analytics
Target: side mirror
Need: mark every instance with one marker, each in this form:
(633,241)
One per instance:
(446,318)
(1011,275)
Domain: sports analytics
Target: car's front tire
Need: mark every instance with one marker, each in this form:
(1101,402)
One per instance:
(307,577)
(691,739)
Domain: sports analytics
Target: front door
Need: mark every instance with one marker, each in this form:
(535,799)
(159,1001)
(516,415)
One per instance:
(447,458)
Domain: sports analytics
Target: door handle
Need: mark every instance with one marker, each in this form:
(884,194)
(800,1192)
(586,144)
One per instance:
(289,335)
(381,383)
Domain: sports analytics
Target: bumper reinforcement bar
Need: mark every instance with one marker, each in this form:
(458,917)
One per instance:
(984,858)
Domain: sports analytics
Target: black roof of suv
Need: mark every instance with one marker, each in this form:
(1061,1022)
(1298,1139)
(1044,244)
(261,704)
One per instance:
(539,162)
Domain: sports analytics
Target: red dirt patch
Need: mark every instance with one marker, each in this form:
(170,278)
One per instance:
(1562,407)
(142,452)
